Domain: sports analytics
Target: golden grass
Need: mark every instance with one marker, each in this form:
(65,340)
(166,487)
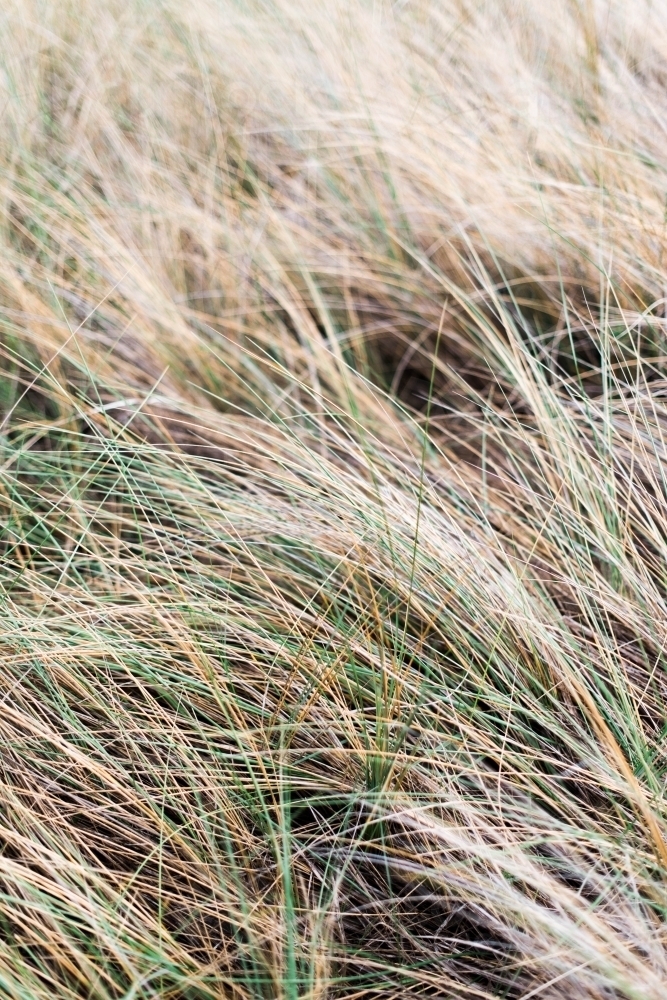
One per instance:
(333,500)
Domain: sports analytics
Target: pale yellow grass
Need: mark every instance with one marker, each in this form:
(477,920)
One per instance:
(334,524)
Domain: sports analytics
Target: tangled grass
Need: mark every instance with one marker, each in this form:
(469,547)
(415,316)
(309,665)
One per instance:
(333,499)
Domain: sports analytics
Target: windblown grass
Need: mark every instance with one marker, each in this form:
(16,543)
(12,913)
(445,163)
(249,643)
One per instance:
(333,500)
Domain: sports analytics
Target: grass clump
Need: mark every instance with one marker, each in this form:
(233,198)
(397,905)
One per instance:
(333,522)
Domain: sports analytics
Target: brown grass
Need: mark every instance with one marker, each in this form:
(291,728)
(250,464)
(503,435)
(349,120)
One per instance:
(334,523)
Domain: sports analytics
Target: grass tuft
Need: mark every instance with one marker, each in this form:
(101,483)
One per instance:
(333,512)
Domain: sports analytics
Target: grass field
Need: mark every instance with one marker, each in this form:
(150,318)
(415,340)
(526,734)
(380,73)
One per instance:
(333,499)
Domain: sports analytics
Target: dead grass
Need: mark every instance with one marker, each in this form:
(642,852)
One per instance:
(334,523)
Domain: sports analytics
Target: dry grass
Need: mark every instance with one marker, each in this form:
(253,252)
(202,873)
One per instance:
(333,499)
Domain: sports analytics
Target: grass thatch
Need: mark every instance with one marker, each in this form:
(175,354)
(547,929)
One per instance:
(333,499)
